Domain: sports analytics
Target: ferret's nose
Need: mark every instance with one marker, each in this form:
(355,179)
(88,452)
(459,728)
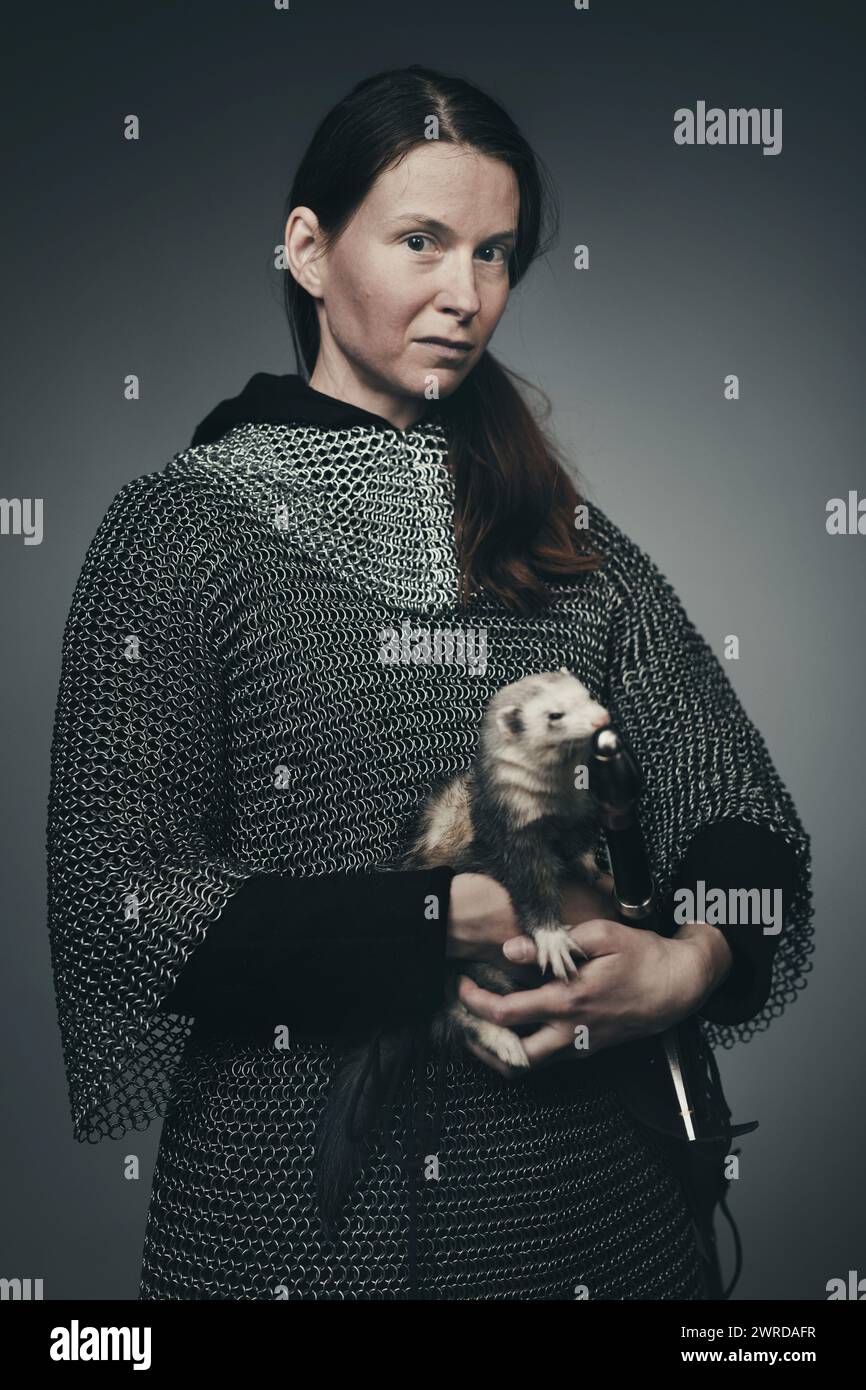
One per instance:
(600,723)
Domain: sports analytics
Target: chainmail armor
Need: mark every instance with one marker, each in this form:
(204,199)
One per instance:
(223,712)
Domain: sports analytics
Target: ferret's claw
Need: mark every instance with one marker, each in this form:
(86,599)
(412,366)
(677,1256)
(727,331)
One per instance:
(502,1043)
(554,947)
(510,1049)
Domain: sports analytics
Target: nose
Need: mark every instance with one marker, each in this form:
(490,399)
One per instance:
(459,292)
(604,718)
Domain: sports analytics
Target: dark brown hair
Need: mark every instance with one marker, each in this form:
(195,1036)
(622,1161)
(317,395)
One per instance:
(514,501)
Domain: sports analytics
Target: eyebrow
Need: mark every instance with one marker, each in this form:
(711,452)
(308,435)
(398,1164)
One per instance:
(421,220)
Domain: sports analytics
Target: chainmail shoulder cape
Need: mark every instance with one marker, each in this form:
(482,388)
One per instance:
(224,710)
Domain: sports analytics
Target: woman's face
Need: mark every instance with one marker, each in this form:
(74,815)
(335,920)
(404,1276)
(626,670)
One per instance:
(394,277)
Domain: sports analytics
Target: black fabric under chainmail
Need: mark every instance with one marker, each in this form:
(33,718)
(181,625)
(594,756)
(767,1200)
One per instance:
(223,712)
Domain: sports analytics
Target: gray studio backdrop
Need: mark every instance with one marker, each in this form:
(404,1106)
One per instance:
(155,258)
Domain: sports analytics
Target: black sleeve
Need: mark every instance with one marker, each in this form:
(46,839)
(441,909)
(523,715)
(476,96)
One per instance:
(321,953)
(736,854)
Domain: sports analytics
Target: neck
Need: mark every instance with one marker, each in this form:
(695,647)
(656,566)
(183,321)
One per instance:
(340,381)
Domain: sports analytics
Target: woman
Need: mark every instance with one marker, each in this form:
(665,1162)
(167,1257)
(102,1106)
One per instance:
(237,764)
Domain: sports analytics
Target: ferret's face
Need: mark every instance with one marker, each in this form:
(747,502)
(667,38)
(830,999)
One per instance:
(554,715)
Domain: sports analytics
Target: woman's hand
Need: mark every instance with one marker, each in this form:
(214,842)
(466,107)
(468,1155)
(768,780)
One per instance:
(634,983)
(481,918)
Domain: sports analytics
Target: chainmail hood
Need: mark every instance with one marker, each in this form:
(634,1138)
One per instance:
(224,709)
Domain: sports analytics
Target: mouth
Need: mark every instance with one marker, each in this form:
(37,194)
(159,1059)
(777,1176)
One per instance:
(572,741)
(443,347)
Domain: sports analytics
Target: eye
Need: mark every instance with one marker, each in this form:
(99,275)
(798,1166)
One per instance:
(417,236)
(557,714)
(498,247)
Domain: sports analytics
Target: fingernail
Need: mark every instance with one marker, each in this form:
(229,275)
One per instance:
(516,948)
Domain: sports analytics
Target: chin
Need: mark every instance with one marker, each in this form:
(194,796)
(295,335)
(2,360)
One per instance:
(448,382)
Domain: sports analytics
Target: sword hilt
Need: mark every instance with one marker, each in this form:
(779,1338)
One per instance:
(615,783)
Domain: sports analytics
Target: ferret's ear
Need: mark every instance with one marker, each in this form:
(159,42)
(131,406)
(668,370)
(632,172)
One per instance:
(510,722)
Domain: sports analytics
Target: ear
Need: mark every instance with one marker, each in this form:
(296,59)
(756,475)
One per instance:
(302,241)
(509,721)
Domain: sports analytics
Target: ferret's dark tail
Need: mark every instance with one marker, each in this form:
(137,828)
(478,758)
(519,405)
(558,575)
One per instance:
(368,1079)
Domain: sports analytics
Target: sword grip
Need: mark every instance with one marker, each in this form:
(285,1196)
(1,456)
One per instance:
(615,784)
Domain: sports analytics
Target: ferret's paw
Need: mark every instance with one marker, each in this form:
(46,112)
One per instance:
(502,1043)
(554,947)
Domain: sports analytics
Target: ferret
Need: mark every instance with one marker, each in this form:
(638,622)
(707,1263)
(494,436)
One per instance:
(517,816)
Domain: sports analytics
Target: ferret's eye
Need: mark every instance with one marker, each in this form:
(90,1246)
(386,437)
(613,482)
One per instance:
(557,715)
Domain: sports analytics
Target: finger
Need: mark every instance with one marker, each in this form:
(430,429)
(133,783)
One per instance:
(599,936)
(520,950)
(548,1044)
(548,1003)
(555,1043)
